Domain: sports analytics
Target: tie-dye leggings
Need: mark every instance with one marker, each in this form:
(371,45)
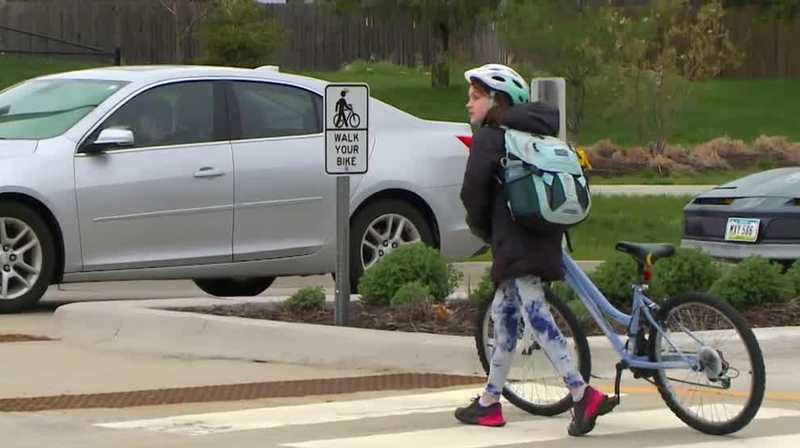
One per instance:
(526,294)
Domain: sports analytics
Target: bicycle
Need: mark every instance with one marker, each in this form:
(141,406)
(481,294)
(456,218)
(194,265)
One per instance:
(685,334)
(348,118)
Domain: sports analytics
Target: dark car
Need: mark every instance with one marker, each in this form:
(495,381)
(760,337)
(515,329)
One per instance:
(755,215)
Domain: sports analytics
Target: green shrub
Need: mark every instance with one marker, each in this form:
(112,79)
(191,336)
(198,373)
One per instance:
(581,313)
(239,33)
(411,294)
(485,290)
(306,299)
(752,282)
(563,291)
(689,270)
(793,277)
(409,263)
(615,278)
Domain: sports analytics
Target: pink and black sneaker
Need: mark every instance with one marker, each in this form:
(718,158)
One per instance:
(585,412)
(475,414)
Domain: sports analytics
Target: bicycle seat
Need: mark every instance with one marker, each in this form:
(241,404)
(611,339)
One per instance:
(641,252)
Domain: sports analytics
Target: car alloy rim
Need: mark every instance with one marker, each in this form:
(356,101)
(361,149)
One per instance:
(385,234)
(20,258)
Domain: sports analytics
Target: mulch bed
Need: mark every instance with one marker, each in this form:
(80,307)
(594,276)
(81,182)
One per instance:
(774,315)
(459,319)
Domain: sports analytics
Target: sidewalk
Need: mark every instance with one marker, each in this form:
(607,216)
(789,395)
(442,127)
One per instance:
(49,368)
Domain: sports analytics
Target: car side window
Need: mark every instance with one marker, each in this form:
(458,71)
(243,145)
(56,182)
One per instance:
(173,114)
(274,110)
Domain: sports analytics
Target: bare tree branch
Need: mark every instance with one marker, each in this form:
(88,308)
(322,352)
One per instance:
(200,17)
(166,4)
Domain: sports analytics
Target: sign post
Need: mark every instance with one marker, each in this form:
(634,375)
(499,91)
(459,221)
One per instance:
(346,153)
(552,91)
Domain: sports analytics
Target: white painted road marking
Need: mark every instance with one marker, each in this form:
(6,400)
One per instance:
(538,430)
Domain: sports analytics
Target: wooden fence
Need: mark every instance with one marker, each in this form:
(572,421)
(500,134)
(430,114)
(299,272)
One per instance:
(315,40)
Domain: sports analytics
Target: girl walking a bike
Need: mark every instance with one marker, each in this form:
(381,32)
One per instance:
(499,99)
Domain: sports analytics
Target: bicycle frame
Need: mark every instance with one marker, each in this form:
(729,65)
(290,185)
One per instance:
(599,307)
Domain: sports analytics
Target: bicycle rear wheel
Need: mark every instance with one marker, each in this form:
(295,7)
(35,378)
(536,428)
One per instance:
(533,385)
(724,395)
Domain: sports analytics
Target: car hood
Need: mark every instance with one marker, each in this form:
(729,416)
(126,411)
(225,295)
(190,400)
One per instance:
(16,148)
(782,182)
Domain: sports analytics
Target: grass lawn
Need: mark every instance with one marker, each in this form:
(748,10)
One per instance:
(644,219)
(741,109)
(16,68)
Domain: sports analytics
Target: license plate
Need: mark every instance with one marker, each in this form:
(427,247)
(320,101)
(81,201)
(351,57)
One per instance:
(742,230)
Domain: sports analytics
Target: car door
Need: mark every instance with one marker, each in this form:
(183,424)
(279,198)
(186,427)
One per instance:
(168,200)
(284,201)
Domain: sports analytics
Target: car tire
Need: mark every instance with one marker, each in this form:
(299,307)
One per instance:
(234,287)
(33,270)
(371,216)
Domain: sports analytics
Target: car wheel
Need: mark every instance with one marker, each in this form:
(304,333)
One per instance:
(379,229)
(234,287)
(27,257)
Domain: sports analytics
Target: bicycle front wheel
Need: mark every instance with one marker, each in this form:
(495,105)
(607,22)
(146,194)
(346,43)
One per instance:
(724,394)
(355,120)
(533,385)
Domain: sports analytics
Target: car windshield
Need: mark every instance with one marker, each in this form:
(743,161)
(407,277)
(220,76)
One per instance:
(40,109)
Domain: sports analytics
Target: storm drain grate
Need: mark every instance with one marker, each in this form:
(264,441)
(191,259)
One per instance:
(235,392)
(21,338)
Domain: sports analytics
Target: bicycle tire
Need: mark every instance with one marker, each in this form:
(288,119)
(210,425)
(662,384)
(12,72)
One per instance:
(355,120)
(338,121)
(580,344)
(757,371)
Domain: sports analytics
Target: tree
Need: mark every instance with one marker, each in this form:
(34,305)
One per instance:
(448,19)
(647,83)
(660,52)
(239,33)
(701,39)
(575,41)
(178,9)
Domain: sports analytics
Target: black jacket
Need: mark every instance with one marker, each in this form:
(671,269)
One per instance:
(516,251)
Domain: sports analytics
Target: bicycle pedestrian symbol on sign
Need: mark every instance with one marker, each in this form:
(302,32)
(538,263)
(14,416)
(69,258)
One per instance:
(345,115)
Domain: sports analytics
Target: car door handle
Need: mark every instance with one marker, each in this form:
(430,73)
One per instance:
(209,171)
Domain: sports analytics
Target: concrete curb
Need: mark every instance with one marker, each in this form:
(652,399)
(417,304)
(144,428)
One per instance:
(140,326)
(137,326)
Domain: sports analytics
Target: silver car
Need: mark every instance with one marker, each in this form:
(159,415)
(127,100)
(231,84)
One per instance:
(206,173)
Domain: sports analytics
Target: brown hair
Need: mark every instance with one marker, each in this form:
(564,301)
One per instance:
(502,104)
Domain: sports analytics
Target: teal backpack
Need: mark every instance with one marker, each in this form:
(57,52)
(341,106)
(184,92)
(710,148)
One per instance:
(545,188)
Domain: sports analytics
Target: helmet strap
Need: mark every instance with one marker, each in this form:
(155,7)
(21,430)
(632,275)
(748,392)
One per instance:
(492,102)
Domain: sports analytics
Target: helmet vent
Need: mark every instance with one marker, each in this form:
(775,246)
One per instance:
(499,78)
(516,83)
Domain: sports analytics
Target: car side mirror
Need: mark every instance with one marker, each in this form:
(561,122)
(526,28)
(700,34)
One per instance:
(112,138)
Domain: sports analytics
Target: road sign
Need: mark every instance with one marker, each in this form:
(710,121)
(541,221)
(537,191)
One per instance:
(346,129)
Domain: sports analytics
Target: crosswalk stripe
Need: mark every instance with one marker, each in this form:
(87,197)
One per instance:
(531,431)
(790,441)
(274,417)
(264,418)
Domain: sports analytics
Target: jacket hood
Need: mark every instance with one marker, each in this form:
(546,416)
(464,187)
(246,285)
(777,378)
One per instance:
(537,118)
